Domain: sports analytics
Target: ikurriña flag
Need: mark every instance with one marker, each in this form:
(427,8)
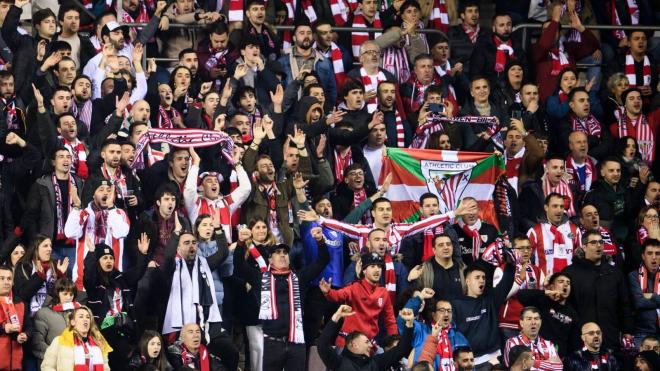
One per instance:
(450,175)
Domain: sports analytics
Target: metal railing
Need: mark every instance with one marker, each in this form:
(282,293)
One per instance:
(527,26)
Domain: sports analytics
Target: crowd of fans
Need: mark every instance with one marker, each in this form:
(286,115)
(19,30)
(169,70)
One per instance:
(229,206)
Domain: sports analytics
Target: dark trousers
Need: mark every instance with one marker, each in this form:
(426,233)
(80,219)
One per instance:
(282,355)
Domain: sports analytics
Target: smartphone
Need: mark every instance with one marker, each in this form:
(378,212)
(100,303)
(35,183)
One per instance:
(516,114)
(436,108)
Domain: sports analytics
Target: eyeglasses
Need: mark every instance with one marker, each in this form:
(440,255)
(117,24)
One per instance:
(592,333)
(370,52)
(596,242)
(443,310)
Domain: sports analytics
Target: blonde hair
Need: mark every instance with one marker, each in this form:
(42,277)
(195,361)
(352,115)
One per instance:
(94,332)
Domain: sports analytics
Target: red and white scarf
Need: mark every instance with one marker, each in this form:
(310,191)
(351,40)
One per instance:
(342,163)
(64,307)
(340,12)
(83,114)
(117,178)
(473,232)
(597,363)
(87,356)
(268,309)
(642,235)
(563,97)
(642,133)
(60,205)
(439,18)
(188,359)
(395,60)
(357,38)
(588,125)
(429,235)
(79,157)
(643,276)
(164,121)
(445,351)
(503,49)
(256,255)
(235,13)
(590,173)
(633,11)
(400,132)
(8,312)
(390,276)
(270,193)
(443,70)
(417,95)
(308,9)
(142,17)
(563,189)
(471,32)
(632,75)
(369,84)
(11,115)
(559,58)
(513,165)
(336,56)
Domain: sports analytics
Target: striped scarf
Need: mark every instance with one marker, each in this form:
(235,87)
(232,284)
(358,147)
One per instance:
(559,58)
(256,255)
(513,165)
(337,58)
(588,125)
(395,60)
(142,17)
(400,132)
(439,18)
(473,232)
(11,116)
(563,189)
(632,75)
(633,11)
(643,274)
(471,32)
(429,235)
(59,205)
(164,121)
(342,163)
(643,134)
(390,277)
(83,114)
(340,12)
(358,38)
(79,158)
(369,84)
(442,71)
(590,174)
(503,49)
(87,356)
(308,9)
(235,13)
(268,309)
(188,359)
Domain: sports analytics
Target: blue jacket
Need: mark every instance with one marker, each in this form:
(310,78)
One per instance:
(323,69)
(421,330)
(226,269)
(646,319)
(557,110)
(335,243)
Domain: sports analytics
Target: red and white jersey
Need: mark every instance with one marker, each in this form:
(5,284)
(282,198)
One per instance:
(223,206)
(554,251)
(80,225)
(542,351)
(395,232)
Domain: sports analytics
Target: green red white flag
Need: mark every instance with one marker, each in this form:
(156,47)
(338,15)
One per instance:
(450,175)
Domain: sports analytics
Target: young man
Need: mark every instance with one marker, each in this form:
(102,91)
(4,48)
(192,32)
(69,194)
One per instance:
(492,53)
(213,55)
(633,122)
(82,49)
(581,118)
(463,37)
(339,57)
(366,15)
(644,292)
(398,133)
(543,351)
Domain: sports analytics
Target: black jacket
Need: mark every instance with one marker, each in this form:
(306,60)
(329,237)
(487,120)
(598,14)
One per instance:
(599,294)
(581,361)
(347,361)
(461,47)
(342,199)
(532,200)
(615,206)
(482,62)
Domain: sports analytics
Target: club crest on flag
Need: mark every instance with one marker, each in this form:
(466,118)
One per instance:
(447,180)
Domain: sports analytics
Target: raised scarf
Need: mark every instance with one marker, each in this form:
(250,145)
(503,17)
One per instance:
(8,313)
(559,58)
(503,49)
(424,131)
(563,189)
(83,114)
(268,309)
(444,349)
(473,232)
(256,255)
(340,12)
(369,84)
(188,359)
(395,60)
(643,134)
(429,235)
(235,13)
(390,276)
(87,356)
(632,75)
(164,120)
(588,125)
(439,18)
(59,205)
(79,158)
(342,163)
(357,38)
(643,276)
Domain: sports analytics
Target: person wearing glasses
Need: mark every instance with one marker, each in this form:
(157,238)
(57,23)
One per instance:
(593,355)
(645,291)
(599,292)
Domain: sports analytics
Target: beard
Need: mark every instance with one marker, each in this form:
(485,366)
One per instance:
(502,37)
(304,44)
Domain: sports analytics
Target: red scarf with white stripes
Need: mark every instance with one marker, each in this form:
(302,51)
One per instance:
(563,189)
(443,70)
(390,277)
(337,58)
(63,307)
(79,158)
(358,197)
(400,132)
(473,233)
(87,356)
(558,244)
(342,163)
(633,11)
(503,49)
(395,60)
(235,13)
(372,104)
(357,38)
(588,125)
(270,193)
(59,205)
(643,274)
(117,178)
(642,133)
(209,208)
(632,75)
(471,32)
(188,359)
(11,116)
(340,12)
(642,235)
(142,17)
(164,121)
(599,361)
(444,349)
(439,18)
(559,59)
(429,235)
(256,255)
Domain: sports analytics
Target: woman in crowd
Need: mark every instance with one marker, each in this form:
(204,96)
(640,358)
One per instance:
(150,353)
(80,346)
(616,84)
(12,251)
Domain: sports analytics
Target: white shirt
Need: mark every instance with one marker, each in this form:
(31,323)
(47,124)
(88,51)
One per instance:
(374,157)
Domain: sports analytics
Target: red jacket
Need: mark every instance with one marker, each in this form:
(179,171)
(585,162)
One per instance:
(11,352)
(368,302)
(540,55)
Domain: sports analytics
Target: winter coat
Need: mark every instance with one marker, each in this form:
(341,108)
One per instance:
(60,356)
(226,268)
(11,352)
(48,324)
(324,70)
(580,361)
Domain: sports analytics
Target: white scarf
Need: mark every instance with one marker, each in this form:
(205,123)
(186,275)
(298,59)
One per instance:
(268,309)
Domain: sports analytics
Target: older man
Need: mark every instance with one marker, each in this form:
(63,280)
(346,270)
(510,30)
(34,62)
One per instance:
(593,354)
(189,352)
(370,73)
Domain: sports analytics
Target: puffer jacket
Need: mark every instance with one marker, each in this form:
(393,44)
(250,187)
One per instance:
(48,324)
(226,268)
(60,355)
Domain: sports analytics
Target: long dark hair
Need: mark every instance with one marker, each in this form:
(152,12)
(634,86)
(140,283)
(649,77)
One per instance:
(143,347)
(32,254)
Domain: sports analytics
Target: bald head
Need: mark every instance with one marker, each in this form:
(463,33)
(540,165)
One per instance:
(578,145)
(592,336)
(140,111)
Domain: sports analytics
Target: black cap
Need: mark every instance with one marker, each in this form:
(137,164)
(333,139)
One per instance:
(92,184)
(102,250)
(371,259)
(281,246)
(113,26)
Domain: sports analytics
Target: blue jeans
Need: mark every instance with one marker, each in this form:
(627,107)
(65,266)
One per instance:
(61,251)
